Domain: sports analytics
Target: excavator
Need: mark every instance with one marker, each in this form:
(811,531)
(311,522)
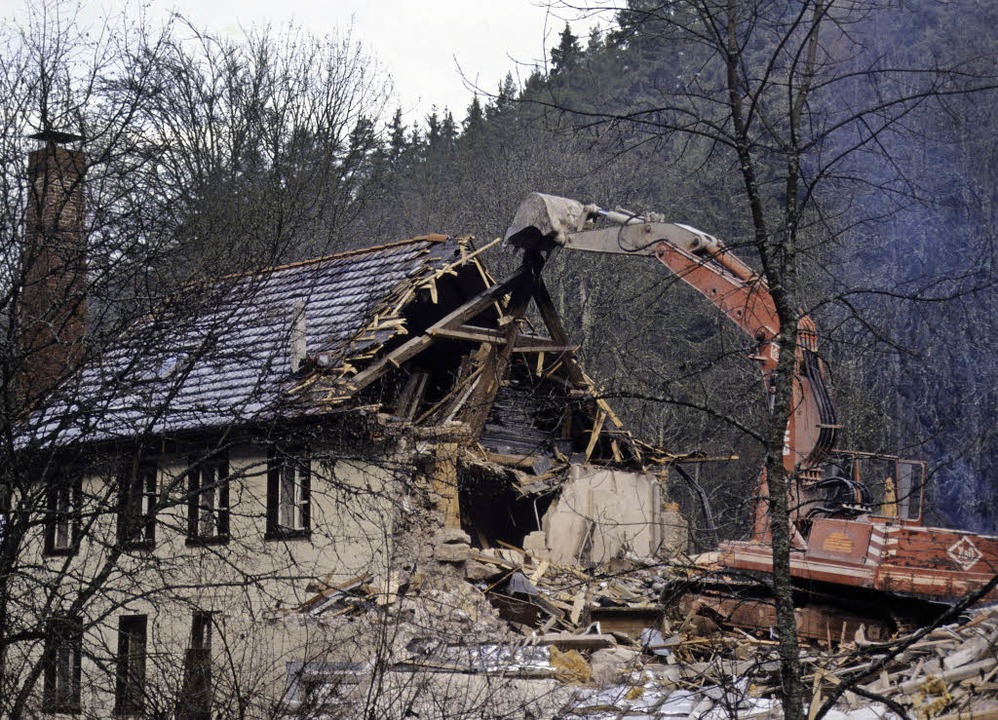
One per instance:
(862,560)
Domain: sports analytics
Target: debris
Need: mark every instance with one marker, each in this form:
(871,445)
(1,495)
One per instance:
(570,666)
(519,584)
(451,536)
(611,665)
(451,553)
(476,571)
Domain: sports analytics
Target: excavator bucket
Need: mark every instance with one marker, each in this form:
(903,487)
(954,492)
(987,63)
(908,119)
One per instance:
(543,221)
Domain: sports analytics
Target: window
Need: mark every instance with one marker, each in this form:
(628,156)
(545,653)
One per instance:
(63,649)
(195,703)
(129,694)
(208,500)
(288,494)
(137,514)
(62,521)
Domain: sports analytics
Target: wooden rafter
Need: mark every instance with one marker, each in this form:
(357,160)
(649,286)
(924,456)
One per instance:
(418,344)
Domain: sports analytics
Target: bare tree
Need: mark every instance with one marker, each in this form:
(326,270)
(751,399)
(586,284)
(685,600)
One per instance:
(155,158)
(798,103)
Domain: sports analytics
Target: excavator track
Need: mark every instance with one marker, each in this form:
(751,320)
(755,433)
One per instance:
(747,603)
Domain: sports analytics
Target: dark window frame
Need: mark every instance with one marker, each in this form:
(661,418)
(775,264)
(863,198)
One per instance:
(61,680)
(202,629)
(64,503)
(208,475)
(138,498)
(130,666)
(195,702)
(289,470)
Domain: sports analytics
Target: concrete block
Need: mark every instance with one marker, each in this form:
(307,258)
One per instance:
(535,543)
(452,553)
(474,570)
(611,664)
(451,536)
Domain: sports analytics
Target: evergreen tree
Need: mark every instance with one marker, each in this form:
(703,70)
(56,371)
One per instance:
(433,128)
(596,41)
(448,130)
(475,120)
(397,142)
(504,99)
(567,55)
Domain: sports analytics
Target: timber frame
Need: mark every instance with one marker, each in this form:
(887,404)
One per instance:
(512,397)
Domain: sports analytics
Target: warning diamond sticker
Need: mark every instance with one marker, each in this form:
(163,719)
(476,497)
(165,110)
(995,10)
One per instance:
(964,553)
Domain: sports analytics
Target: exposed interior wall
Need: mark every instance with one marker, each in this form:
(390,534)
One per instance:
(602,513)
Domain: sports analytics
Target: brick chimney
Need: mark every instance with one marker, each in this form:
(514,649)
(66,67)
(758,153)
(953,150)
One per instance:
(52,314)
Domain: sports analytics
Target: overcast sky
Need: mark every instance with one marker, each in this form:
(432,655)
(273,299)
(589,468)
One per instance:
(425,45)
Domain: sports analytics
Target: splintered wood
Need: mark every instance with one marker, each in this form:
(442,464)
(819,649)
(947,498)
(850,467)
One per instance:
(445,483)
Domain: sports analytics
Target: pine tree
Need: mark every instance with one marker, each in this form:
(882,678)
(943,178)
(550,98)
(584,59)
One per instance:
(504,99)
(475,120)
(567,55)
(397,143)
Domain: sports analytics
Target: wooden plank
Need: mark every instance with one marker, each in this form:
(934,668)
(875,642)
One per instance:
(539,572)
(469,333)
(815,696)
(459,316)
(540,346)
(951,676)
(494,336)
(396,357)
(542,298)
(493,560)
(571,641)
(520,461)
(445,483)
(609,411)
(594,436)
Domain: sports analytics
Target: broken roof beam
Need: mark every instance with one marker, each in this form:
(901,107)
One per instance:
(530,343)
(550,316)
(532,346)
(594,435)
(469,333)
(405,351)
(497,361)
(416,345)
(480,302)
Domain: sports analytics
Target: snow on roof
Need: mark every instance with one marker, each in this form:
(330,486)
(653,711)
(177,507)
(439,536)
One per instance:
(218,354)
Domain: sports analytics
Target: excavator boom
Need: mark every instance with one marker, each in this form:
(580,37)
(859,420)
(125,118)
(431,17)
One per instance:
(704,263)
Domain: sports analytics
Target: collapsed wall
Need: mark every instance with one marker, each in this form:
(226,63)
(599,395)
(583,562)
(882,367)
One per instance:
(603,513)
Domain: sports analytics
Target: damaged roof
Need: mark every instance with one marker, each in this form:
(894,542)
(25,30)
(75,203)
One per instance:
(220,353)
(414,334)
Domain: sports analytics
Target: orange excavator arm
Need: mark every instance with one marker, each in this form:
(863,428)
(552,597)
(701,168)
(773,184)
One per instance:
(706,264)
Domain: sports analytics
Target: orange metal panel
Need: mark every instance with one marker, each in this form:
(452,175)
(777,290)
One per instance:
(841,540)
(936,562)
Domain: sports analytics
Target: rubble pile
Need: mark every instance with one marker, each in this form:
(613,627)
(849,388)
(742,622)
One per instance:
(604,639)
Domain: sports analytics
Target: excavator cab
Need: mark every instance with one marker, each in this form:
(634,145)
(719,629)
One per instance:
(883,487)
